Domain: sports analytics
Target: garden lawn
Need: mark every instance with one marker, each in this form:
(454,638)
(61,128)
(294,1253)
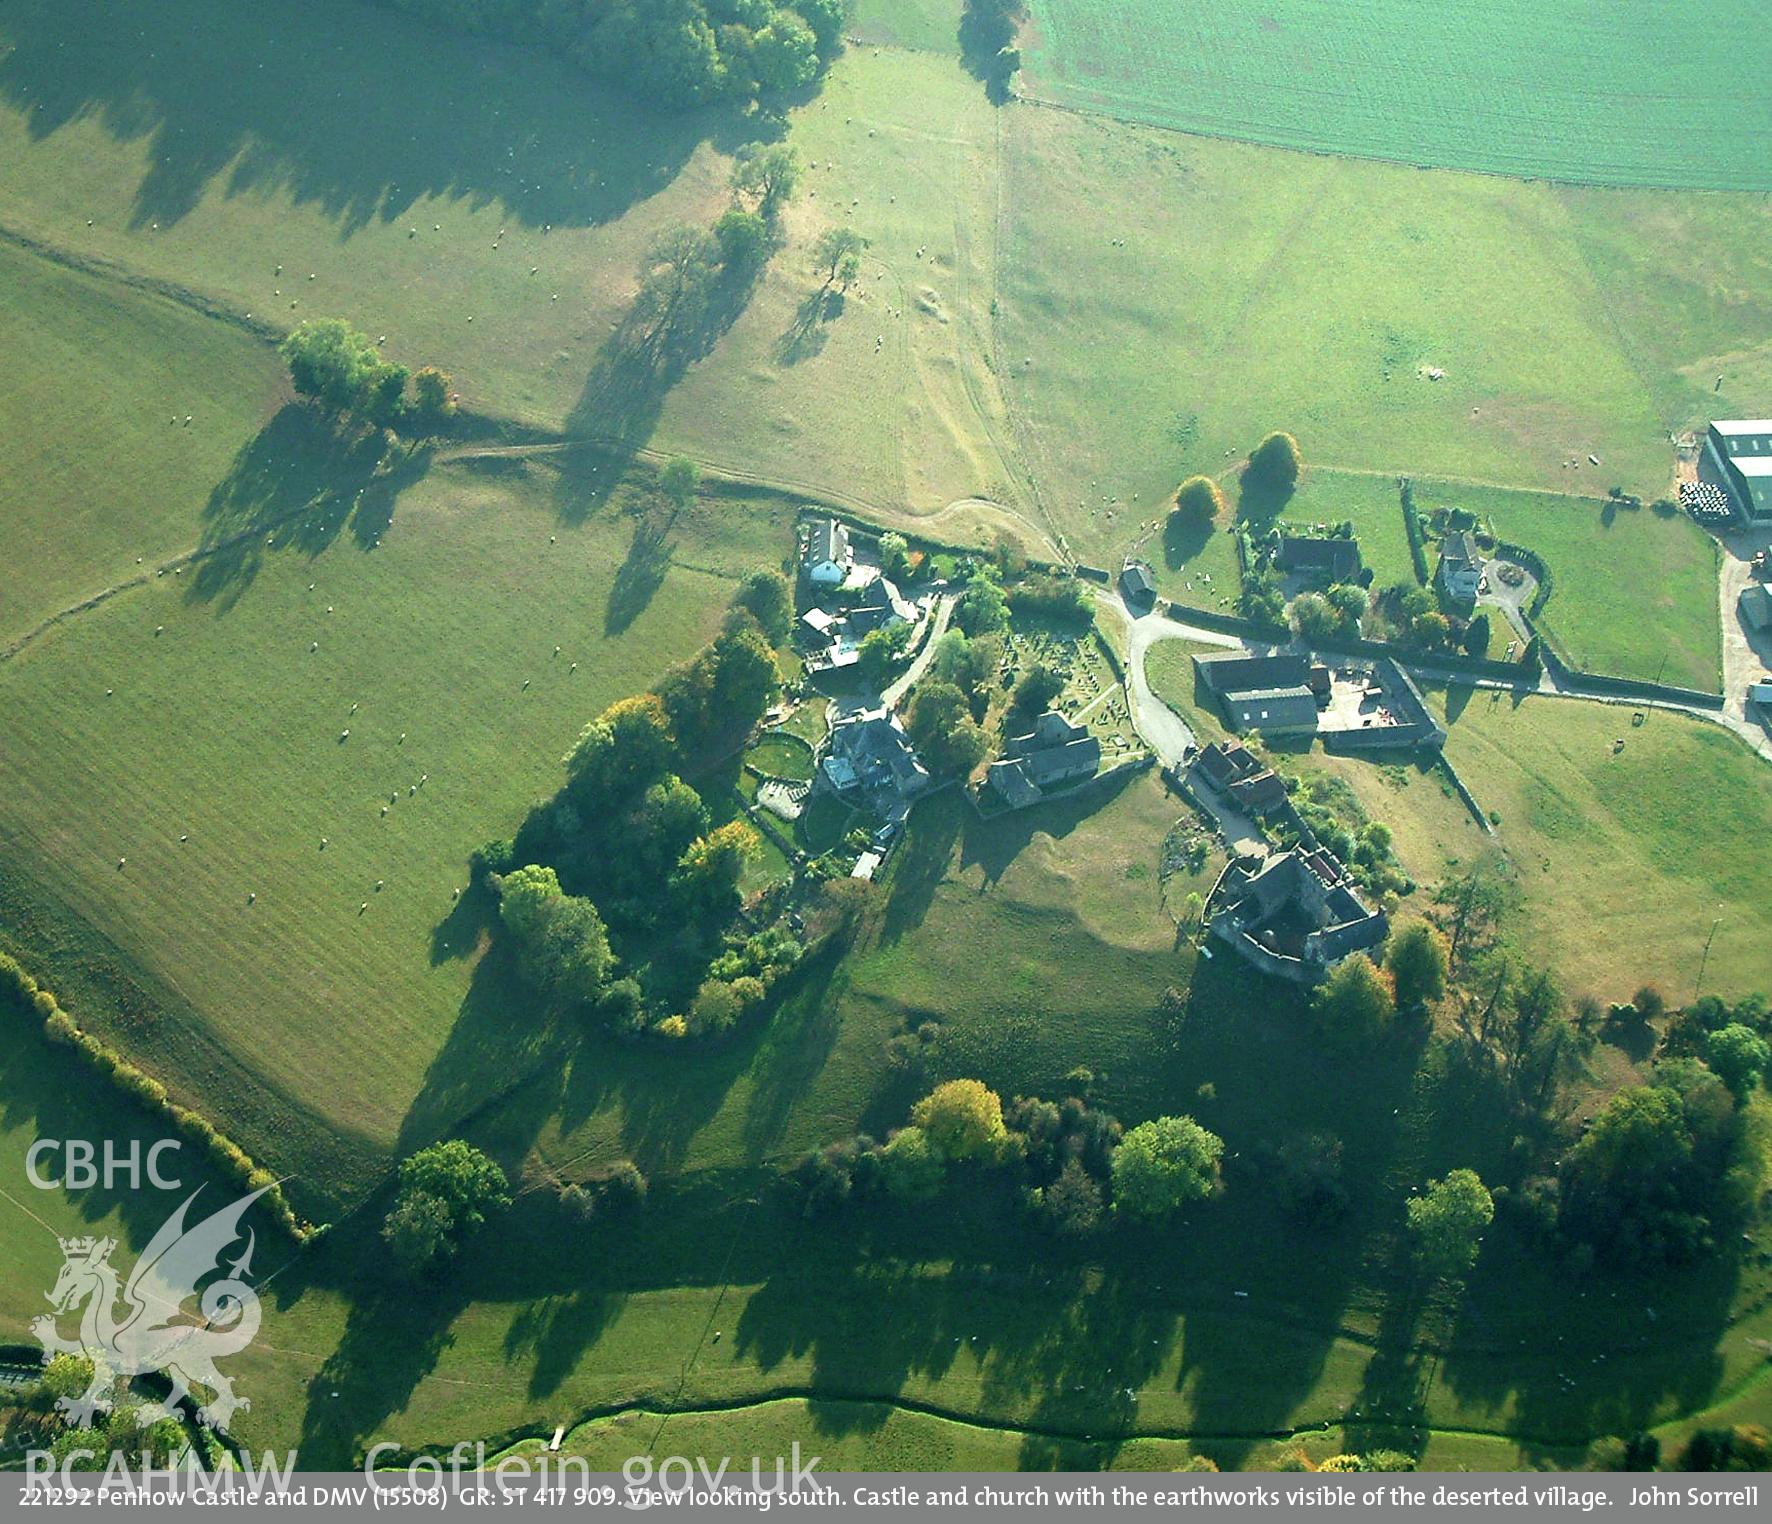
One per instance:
(1626,860)
(98,468)
(249,882)
(1633,591)
(1517,87)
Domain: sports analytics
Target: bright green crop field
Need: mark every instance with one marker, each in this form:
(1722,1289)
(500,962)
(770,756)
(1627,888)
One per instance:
(1634,93)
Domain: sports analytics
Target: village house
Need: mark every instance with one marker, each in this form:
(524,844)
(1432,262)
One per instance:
(1232,769)
(870,755)
(1318,558)
(1296,916)
(828,558)
(1461,566)
(1054,752)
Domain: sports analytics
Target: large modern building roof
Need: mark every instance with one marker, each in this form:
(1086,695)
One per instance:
(1744,450)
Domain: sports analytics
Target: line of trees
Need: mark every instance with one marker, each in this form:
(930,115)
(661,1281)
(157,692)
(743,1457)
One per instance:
(345,375)
(1074,1165)
(678,54)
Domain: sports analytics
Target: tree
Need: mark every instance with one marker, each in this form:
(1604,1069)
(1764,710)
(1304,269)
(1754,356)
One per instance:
(744,238)
(1419,959)
(709,871)
(1356,1002)
(962,1119)
(982,609)
(910,1168)
(446,1192)
(1198,502)
(562,944)
(971,665)
(1738,1056)
(676,281)
(1624,1178)
(1447,1223)
(767,174)
(1477,636)
(332,364)
(941,727)
(895,555)
(880,649)
(68,1376)
(671,816)
(1038,689)
(430,394)
(768,598)
(838,253)
(1072,1204)
(1162,1165)
(626,748)
(678,478)
(1313,617)
(1349,603)
(1275,462)
(784,54)
(417,1231)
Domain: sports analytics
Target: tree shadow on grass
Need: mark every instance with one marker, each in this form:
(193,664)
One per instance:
(921,863)
(297,485)
(1184,537)
(221,96)
(992,845)
(805,337)
(503,1037)
(640,576)
(462,932)
(1261,500)
(636,369)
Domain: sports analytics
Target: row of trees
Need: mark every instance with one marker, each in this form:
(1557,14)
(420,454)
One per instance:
(674,53)
(344,374)
(1076,1165)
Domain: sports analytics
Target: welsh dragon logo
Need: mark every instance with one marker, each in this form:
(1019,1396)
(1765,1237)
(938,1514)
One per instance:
(156,1332)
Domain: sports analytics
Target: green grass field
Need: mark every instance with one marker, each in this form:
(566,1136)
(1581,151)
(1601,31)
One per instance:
(1633,594)
(1371,504)
(240,795)
(1166,301)
(81,506)
(435,653)
(1624,860)
(1517,88)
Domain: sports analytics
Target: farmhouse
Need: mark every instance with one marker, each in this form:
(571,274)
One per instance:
(1296,916)
(1737,457)
(1461,565)
(870,754)
(879,606)
(828,558)
(1320,558)
(1055,751)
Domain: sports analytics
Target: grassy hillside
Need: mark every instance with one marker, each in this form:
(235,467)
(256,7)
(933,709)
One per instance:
(98,469)
(1165,301)
(215,760)
(1518,87)
(1623,859)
